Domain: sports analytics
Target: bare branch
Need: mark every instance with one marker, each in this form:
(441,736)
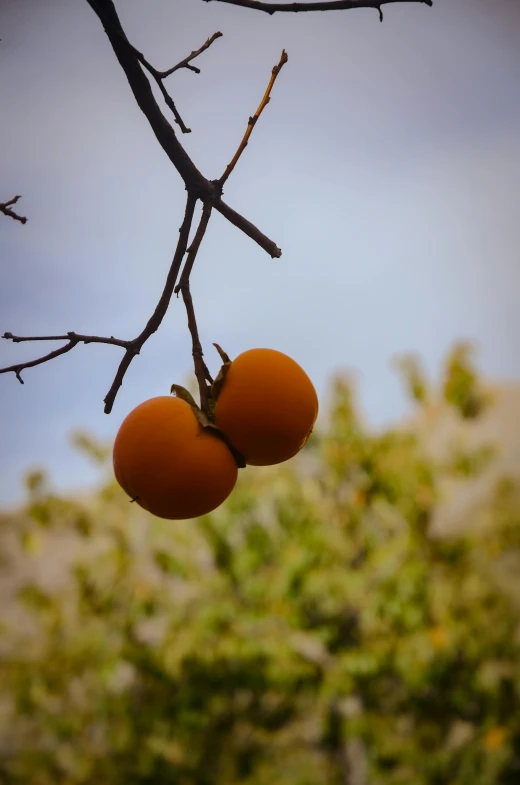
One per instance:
(198,187)
(201,370)
(159,76)
(194,247)
(252,120)
(128,58)
(207,190)
(109,20)
(324,5)
(156,318)
(248,228)
(132,347)
(185,63)
(168,100)
(16,369)
(71,337)
(6,209)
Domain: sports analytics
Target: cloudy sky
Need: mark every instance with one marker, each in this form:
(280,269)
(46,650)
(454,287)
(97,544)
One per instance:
(387,168)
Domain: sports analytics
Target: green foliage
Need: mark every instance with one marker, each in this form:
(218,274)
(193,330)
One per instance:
(414,378)
(461,383)
(312,631)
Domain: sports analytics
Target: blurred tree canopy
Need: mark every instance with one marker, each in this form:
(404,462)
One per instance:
(312,631)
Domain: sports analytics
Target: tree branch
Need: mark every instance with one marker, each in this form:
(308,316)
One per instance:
(6,209)
(132,347)
(198,187)
(207,190)
(252,120)
(168,100)
(159,76)
(117,30)
(248,228)
(194,247)
(156,318)
(142,91)
(324,5)
(185,63)
(73,340)
(201,370)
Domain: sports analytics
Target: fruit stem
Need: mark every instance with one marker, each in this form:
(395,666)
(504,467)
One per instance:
(201,370)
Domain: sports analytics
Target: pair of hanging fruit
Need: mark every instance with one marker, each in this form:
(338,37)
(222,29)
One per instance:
(178,462)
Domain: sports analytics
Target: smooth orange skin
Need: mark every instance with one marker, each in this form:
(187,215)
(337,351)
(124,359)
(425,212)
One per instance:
(176,468)
(267,406)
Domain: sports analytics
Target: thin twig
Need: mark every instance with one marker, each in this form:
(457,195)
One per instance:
(70,336)
(156,318)
(73,340)
(6,209)
(248,228)
(201,371)
(185,63)
(324,5)
(194,247)
(132,347)
(143,94)
(159,76)
(252,120)
(168,100)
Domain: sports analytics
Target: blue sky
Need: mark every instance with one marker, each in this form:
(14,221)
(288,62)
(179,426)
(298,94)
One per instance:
(387,168)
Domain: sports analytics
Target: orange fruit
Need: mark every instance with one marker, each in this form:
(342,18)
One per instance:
(169,464)
(266,407)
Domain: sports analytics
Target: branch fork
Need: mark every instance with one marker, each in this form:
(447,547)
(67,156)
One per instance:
(197,186)
(7,209)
